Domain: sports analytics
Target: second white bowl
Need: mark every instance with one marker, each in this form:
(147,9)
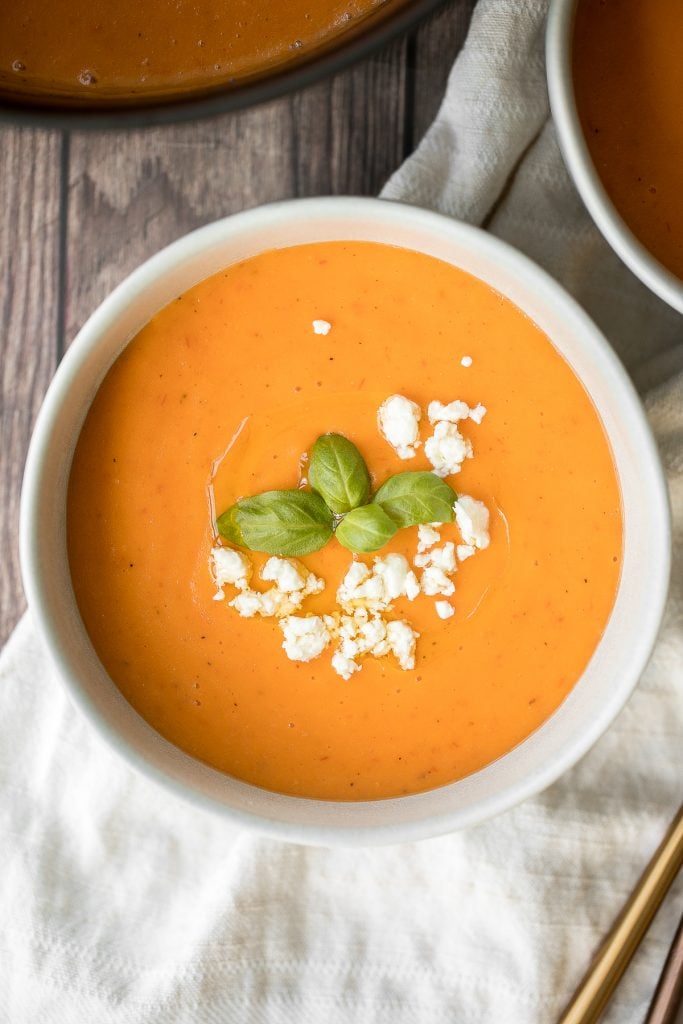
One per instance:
(559,41)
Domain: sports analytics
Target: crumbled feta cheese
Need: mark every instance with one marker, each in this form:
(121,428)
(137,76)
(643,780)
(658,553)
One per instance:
(285,573)
(272,603)
(435,581)
(374,637)
(444,610)
(358,634)
(466,361)
(477,414)
(464,551)
(451,413)
(344,667)
(247,604)
(279,603)
(398,419)
(472,517)
(399,579)
(290,576)
(313,585)
(305,637)
(321,327)
(443,557)
(390,578)
(447,449)
(356,574)
(362,635)
(427,537)
(293,582)
(360,588)
(229,566)
(402,638)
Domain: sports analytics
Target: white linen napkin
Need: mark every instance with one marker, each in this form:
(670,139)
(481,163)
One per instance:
(122,905)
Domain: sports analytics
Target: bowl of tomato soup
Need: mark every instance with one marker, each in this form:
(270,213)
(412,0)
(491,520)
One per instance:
(615,80)
(343,521)
(80,64)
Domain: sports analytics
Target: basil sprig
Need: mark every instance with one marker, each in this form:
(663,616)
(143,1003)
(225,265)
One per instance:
(297,522)
(279,523)
(367,528)
(228,527)
(337,471)
(412,498)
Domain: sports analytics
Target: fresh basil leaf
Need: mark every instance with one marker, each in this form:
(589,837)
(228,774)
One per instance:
(412,498)
(282,522)
(337,471)
(365,529)
(228,528)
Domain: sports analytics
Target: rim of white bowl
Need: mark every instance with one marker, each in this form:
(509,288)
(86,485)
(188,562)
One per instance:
(333,823)
(655,275)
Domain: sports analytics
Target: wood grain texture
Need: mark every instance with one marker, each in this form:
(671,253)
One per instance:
(30,164)
(436,44)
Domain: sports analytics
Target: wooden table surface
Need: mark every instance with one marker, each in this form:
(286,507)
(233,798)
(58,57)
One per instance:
(79,211)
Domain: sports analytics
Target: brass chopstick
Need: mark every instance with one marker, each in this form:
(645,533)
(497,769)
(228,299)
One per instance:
(614,954)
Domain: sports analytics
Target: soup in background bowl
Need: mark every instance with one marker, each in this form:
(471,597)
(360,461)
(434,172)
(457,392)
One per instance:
(104,64)
(203,380)
(615,80)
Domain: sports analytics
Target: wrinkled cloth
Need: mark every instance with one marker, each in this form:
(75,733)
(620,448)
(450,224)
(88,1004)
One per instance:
(122,905)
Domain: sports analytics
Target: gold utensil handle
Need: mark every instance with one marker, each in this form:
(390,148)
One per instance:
(612,958)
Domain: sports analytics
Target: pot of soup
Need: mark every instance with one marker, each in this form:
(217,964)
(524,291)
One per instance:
(81,63)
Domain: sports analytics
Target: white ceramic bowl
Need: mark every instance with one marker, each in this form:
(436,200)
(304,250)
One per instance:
(614,668)
(559,40)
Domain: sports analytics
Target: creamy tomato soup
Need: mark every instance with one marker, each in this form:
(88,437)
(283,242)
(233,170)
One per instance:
(94,49)
(628,80)
(221,396)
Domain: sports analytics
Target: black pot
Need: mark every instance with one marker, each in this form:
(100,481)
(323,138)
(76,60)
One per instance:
(358,42)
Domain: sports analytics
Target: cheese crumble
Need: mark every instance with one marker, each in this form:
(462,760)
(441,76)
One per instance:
(229,566)
(447,449)
(321,327)
(293,582)
(399,424)
(472,518)
(375,589)
(427,536)
(306,637)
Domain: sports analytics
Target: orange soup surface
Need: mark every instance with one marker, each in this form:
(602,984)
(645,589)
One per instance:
(218,397)
(628,81)
(94,50)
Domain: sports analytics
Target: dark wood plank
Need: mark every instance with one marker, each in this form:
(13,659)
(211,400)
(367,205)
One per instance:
(29,310)
(436,44)
(131,194)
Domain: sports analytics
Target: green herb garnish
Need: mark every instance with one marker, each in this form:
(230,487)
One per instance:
(412,498)
(367,528)
(279,522)
(297,522)
(337,471)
